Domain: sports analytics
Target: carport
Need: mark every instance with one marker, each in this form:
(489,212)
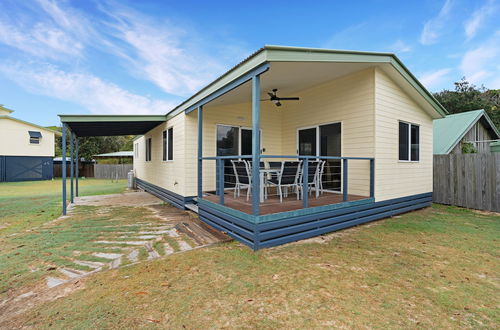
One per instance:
(97,125)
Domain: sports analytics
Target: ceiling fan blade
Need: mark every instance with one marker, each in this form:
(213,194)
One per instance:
(271,94)
(290,98)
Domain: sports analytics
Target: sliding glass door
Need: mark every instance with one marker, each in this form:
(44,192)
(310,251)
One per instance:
(324,140)
(232,141)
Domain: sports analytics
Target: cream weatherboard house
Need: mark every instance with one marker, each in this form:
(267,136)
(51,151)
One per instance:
(26,149)
(340,138)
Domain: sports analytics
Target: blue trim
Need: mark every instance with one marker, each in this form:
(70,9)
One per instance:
(372,177)
(77,160)
(164,194)
(63,181)
(305,188)
(200,151)
(229,87)
(345,183)
(256,145)
(220,183)
(258,235)
(72,165)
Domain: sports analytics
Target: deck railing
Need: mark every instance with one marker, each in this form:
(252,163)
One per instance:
(333,175)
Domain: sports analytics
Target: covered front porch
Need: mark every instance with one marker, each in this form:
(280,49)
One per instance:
(314,153)
(325,130)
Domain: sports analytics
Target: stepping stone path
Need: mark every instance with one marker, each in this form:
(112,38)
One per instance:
(176,231)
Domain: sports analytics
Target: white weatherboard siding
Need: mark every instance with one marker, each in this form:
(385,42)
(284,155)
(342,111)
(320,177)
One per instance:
(166,174)
(15,140)
(394,178)
(349,100)
(367,103)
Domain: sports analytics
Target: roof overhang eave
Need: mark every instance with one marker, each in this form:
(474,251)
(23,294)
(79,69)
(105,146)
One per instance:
(269,54)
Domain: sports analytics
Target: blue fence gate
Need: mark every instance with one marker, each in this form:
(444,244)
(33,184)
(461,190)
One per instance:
(26,168)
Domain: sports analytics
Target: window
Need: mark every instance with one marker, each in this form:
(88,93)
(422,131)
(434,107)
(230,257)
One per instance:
(409,142)
(168,144)
(35,137)
(148,149)
(136,150)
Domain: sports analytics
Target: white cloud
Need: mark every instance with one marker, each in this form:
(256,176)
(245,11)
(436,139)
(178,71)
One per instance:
(477,19)
(41,40)
(433,79)
(89,91)
(433,28)
(162,53)
(481,65)
(156,50)
(400,47)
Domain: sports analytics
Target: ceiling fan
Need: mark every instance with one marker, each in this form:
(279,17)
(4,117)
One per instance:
(277,100)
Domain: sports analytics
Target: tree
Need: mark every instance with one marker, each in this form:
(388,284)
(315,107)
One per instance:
(93,145)
(467,96)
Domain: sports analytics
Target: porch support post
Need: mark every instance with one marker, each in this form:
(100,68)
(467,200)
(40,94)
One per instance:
(77,159)
(71,164)
(305,187)
(220,168)
(344,181)
(256,145)
(372,177)
(63,163)
(200,151)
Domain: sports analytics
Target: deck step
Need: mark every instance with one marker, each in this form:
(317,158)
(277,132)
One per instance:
(192,207)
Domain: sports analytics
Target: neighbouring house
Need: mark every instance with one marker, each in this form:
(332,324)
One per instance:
(290,143)
(465,132)
(26,149)
(118,157)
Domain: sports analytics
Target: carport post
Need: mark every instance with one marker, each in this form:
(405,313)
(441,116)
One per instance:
(76,165)
(63,163)
(71,164)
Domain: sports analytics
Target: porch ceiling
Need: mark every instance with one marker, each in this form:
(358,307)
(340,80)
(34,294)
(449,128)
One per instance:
(291,77)
(94,125)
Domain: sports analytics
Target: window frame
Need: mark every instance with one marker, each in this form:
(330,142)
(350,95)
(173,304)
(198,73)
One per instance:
(168,145)
(148,149)
(37,139)
(409,142)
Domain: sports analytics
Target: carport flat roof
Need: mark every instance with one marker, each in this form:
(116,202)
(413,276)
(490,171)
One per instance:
(111,125)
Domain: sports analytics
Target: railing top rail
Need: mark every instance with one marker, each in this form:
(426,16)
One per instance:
(286,156)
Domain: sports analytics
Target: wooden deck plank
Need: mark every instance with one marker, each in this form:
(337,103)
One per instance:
(273,205)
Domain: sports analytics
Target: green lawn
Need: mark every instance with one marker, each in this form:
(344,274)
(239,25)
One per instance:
(434,268)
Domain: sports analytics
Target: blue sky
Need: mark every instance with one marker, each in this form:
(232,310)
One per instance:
(145,57)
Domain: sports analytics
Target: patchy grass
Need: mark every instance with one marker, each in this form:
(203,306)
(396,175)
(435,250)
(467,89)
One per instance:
(28,247)
(435,268)
(27,204)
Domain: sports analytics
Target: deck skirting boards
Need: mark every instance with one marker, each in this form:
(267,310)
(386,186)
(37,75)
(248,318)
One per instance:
(168,196)
(272,233)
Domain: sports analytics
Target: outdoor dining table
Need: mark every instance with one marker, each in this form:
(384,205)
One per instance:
(263,173)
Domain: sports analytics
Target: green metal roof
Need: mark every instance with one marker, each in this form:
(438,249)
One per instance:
(5,109)
(117,154)
(302,54)
(450,130)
